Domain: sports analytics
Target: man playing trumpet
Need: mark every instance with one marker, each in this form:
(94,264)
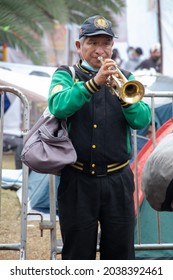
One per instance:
(98,189)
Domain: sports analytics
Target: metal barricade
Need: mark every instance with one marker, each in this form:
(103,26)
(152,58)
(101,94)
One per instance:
(21,246)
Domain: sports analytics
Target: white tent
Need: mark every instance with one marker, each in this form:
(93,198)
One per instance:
(35,87)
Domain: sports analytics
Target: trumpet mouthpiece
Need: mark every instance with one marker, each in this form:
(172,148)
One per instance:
(100,58)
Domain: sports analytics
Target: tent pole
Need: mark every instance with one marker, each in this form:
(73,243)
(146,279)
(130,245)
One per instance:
(160,32)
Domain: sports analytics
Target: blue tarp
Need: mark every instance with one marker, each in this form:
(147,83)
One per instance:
(38,188)
(38,191)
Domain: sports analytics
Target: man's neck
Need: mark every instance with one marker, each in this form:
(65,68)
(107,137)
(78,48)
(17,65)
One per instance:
(86,65)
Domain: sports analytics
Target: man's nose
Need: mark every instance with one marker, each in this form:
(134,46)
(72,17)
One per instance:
(100,50)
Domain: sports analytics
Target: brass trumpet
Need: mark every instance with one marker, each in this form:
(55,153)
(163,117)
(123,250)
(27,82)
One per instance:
(129,91)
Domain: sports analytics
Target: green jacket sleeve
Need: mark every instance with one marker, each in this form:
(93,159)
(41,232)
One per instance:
(65,95)
(138,115)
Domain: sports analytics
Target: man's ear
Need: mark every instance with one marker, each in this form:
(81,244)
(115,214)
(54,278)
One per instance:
(78,47)
(77,43)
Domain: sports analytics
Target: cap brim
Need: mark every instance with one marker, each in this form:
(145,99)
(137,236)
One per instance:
(101,32)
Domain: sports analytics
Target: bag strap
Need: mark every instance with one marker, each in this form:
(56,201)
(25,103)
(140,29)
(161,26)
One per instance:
(72,72)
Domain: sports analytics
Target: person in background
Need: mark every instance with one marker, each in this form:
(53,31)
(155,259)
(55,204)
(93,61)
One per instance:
(134,59)
(12,135)
(130,50)
(98,189)
(154,60)
(137,56)
(116,56)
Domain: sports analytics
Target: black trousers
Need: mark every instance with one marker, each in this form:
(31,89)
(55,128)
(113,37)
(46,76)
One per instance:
(85,201)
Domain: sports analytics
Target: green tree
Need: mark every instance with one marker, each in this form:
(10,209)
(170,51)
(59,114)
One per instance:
(23,22)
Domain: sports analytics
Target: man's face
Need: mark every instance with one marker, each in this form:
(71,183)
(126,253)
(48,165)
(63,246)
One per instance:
(94,46)
(156,54)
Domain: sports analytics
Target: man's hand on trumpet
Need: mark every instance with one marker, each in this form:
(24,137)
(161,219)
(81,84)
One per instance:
(106,72)
(107,69)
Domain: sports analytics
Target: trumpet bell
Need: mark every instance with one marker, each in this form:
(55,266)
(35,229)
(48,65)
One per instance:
(132,92)
(129,91)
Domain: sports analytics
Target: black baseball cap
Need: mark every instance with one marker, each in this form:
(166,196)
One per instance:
(96,25)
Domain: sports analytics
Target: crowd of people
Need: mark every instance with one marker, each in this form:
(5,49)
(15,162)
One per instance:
(136,61)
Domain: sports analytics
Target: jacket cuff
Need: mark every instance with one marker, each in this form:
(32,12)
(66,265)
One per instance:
(91,86)
(124,104)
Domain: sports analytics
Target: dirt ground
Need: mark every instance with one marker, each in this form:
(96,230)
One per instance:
(37,247)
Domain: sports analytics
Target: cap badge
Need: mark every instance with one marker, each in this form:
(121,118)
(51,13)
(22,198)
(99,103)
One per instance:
(101,22)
